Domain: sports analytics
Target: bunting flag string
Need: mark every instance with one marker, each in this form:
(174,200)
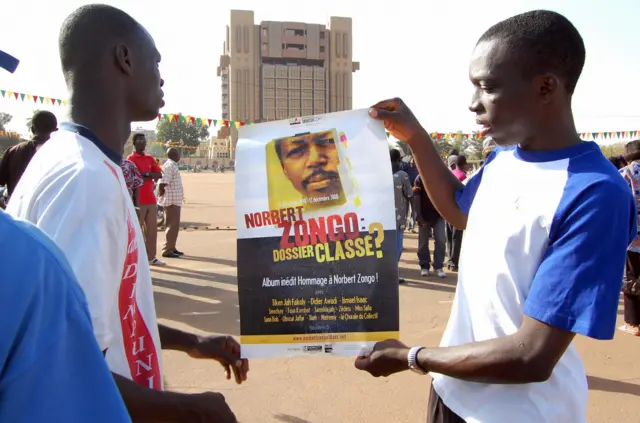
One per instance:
(32,98)
(216,123)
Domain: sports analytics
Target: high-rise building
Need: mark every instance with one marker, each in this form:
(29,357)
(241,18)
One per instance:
(279,70)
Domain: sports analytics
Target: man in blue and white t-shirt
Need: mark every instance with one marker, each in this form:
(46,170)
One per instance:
(547,223)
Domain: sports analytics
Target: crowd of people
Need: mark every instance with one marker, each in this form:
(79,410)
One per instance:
(415,208)
(546,221)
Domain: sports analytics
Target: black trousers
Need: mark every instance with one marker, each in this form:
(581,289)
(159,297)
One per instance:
(632,302)
(454,242)
(438,412)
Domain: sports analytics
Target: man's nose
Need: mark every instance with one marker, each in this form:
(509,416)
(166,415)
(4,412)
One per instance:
(317,156)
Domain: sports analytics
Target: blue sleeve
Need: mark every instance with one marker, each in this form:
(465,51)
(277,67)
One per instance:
(577,285)
(466,193)
(51,368)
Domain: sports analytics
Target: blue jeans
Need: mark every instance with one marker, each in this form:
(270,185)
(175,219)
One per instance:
(399,242)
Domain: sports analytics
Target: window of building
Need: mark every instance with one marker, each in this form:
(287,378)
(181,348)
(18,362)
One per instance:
(264,47)
(264,32)
(322,35)
(321,49)
(295,46)
(300,32)
(345,41)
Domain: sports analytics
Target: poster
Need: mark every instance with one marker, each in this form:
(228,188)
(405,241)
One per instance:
(317,267)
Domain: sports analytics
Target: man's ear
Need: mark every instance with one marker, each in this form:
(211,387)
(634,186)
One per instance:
(123,59)
(548,86)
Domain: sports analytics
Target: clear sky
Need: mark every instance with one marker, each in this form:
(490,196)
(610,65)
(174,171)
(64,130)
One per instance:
(415,50)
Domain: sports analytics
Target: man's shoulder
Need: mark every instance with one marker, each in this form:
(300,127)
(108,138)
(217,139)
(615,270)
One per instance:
(29,252)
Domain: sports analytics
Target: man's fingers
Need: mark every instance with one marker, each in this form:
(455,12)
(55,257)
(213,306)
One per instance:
(361,363)
(390,104)
(237,374)
(385,115)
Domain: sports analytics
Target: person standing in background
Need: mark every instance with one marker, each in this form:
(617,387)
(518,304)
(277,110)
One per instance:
(17,158)
(428,220)
(150,172)
(133,179)
(631,285)
(413,173)
(458,165)
(461,167)
(402,194)
(171,194)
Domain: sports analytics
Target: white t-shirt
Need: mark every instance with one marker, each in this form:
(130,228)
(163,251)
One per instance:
(546,236)
(74,191)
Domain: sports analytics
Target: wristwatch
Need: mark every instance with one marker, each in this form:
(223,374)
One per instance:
(412,359)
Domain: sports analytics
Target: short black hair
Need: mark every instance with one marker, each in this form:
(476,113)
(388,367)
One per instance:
(394,155)
(545,41)
(619,162)
(461,161)
(43,122)
(454,152)
(137,136)
(632,151)
(88,34)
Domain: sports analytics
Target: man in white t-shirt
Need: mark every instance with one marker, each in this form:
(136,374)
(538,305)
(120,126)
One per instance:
(74,190)
(548,221)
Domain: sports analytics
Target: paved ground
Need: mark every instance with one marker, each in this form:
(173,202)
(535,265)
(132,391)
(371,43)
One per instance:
(199,293)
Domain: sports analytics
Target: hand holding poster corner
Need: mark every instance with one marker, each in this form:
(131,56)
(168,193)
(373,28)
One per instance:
(317,263)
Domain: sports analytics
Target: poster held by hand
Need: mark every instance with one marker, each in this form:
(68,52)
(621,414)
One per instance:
(317,267)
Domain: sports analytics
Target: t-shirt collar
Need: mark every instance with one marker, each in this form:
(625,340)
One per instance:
(553,155)
(85,132)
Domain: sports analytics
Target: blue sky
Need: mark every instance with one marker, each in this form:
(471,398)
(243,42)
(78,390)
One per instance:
(419,53)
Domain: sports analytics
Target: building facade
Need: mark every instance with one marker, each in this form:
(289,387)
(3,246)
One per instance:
(279,70)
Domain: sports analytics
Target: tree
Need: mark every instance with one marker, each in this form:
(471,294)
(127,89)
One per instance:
(4,119)
(179,130)
(613,150)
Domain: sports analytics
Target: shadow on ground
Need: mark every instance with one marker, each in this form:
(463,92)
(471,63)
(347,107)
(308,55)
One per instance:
(285,418)
(187,304)
(615,386)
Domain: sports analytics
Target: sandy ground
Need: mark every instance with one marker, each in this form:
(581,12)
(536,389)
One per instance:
(199,293)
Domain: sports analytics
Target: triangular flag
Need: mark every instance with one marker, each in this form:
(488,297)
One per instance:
(181,119)
(215,122)
(242,123)
(187,119)
(35,98)
(171,117)
(22,96)
(209,120)
(58,101)
(16,95)
(237,124)
(9,94)
(618,133)
(3,92)
(64,102)
(225,123)
(41,100)
(47,100)
(29,97)
(159,116)
(193,120)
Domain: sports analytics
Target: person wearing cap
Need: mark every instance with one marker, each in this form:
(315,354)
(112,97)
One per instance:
(17,158)
(52,367)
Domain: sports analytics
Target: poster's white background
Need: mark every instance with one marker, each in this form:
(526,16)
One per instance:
(368,152)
